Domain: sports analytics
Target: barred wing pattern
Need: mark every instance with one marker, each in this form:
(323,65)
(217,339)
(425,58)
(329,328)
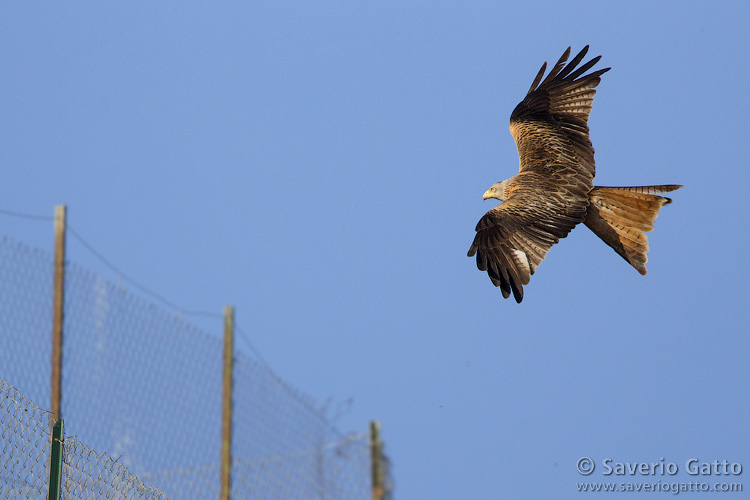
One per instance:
(549,195)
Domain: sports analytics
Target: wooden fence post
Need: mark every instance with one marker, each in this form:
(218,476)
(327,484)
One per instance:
(376,457)
(57,311)
(226,404)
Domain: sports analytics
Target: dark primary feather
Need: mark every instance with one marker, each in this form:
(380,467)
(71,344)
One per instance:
(560,106)
(549,195)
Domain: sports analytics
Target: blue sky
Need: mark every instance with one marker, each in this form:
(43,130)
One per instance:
(320,166)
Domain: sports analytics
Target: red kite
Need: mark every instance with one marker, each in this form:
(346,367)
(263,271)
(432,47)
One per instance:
(553,191)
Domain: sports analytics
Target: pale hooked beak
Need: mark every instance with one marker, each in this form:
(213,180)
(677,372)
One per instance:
(488,194)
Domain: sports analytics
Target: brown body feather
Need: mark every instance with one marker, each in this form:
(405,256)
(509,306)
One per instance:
(553,190)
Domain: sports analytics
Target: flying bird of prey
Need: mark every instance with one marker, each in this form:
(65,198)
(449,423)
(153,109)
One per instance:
(553,191)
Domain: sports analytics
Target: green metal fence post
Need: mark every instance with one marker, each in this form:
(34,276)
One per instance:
(55,462)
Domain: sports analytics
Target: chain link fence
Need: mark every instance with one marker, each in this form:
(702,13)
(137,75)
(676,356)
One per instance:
(24,446)
(26,318)
(25,434)
(143,388)
(88,475)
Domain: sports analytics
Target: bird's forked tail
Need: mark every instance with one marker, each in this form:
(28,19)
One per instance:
(621,217)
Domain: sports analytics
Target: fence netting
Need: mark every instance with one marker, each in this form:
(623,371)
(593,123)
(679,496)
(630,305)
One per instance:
(24,446)
(90,475)
(143,387)
(26,437)
(26,319)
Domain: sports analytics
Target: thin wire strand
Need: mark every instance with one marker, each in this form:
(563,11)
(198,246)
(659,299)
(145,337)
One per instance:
(116,269)
(161,298)
(250,345)
(26,216)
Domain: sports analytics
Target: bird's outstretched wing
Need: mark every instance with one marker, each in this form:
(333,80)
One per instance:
(549,195)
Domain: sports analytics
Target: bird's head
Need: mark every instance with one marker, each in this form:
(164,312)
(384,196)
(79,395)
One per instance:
(498,191)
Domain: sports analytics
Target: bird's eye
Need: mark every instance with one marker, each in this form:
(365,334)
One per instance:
(493,189)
